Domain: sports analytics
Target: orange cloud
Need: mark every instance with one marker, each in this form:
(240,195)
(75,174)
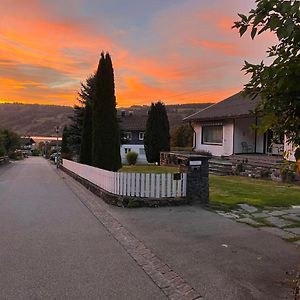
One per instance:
(137,92)
(225,48)
(186,54)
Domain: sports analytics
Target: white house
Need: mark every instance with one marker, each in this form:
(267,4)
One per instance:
(133,129)
(228,127)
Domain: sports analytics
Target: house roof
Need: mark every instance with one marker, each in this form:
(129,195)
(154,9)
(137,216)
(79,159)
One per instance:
(26,141)
(234,106)
(133,122)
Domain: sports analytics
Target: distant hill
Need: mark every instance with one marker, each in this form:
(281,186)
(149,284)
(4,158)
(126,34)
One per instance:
(34,119)
(176,112)
(40,120)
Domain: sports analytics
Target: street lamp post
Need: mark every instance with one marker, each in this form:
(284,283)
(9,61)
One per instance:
(56,157)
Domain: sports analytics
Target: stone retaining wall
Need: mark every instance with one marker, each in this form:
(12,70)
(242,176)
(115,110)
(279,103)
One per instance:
(297,289)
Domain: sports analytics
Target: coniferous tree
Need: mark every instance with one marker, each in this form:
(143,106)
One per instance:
(65,150)
(75,129)
(182,136)
(87,93)
(106,136)
(157,136)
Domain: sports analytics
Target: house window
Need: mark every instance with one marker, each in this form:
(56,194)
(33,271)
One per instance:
(141,136)
(128,135)
(127,150)
(212,135)
(142,151)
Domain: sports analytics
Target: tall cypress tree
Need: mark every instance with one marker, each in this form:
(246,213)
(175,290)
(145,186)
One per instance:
(87,93)
(106,136)
(157,135)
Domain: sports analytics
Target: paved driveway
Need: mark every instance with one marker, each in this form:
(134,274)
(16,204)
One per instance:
(220,258)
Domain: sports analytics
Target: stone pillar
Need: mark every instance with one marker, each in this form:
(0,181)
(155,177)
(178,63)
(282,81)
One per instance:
(197,180)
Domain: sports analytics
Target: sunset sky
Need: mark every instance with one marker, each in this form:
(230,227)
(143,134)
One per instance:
(178,51)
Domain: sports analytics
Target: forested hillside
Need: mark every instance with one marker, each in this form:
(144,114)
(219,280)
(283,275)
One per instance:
(40,120)
(33,119)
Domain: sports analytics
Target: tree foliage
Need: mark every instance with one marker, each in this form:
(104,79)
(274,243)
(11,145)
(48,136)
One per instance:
(9,142)
(279,82)
(106,133)
(2,149)
(157,136)
(132,157)
(65,150)
(94,135)
(75,129)
(87,93)
(182,136)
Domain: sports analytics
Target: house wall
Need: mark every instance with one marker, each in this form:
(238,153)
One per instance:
(135,138)
(244,133)
(260,144)
(135,148)
(217,150)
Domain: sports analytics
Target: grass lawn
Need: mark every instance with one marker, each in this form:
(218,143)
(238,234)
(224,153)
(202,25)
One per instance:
(228,191)
(231,190)
(149,169)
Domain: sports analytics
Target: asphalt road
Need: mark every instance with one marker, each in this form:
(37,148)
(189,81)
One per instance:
(52,247)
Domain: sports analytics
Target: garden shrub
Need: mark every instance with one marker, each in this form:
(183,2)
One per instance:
(16,155)
(204,153)
(297,154)
(132,203)
(288,172)
(131,158)
(36,152)
(239,168)
(265,173)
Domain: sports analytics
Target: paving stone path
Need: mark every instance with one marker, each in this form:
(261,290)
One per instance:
(170,282)
(282,222)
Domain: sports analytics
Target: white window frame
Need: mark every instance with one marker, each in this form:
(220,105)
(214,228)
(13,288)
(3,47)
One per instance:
(128,135)
(141,135)
(127,150)
(211,143)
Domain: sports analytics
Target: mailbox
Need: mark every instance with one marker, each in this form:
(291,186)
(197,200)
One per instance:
(177,176)
(195,163)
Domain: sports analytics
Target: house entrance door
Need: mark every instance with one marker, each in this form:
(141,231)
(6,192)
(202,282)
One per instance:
(268,141)
(228,139)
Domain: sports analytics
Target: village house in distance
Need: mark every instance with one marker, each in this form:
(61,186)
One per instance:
(133,128)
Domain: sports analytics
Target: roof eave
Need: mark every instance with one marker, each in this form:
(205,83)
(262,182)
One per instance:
(218,118)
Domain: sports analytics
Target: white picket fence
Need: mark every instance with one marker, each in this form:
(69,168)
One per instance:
(131,184)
